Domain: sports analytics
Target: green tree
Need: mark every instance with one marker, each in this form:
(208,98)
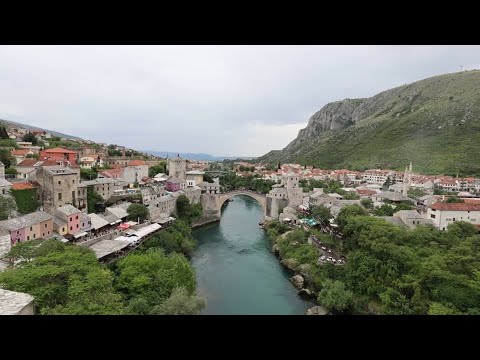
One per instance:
(88,174)
(186,211)
(3,132)
(454,199)
(335,297)
(93,198)
(322,213)
(137,212)
(7,158)
(32,156)
(207,178)
(440,309)
(416,193)
(367,203)
(349,211)
(26,200)
(180,302)
(7,207)
(157,169)
(29,137)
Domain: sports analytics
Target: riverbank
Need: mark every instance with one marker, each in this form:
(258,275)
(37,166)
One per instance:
(299,272)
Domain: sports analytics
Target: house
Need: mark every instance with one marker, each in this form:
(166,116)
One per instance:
(119,212)
(16,303)
(26,169)
(59,187)
(68,157)
(105,187)
(427,200)
(390,195)
(135,171)
(194,177)
(210,188)
(31,226)
(174,184)
(443,214)
(116,173)
(5,186)
(411,218)
(21,154)
(67,216)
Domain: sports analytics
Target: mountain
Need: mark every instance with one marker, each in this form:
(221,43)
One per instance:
(435,123)
(10,123)
(193,156)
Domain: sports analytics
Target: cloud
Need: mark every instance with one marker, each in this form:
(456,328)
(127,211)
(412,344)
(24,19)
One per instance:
(223,100)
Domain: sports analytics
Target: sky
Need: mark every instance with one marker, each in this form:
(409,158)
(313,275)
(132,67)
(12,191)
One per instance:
(222,100)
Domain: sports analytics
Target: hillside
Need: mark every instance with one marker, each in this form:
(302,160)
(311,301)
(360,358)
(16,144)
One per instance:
(433,122)
(10,123)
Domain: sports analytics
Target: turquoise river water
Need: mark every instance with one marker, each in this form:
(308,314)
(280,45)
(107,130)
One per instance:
(236,270)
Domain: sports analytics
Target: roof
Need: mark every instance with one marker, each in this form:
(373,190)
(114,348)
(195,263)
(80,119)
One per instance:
(426,197)
(110,218)
(98,181)
(25,220)
(27,163)
(117,211)
(59,221)
(455,206)
(22,186)
(136,163)
(106,247)
(59,150)
(4,182)
(409,214)
(97,221)
(68,210)
(20,152)
(195,172)
(12,302)
(392,196)
(173,180)
(60,170)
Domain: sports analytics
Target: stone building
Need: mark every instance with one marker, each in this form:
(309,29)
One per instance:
(194,177)
(28,227)
(59,187)
(177,168)
(16,303)
(210,188)
(294,191)
(68,217)
(135,171)
(105,187)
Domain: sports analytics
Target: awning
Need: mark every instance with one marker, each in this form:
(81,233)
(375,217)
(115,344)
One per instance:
(123,226)
(287,219)
(80,235)
(118,221)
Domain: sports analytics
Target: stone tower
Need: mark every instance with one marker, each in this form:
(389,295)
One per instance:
(2,171)
(177,168)
(294,191)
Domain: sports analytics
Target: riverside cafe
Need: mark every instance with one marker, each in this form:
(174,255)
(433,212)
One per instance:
(310,222)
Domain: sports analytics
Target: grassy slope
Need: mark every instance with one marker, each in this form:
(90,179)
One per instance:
(434,122)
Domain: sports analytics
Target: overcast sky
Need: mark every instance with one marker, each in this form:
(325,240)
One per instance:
(222,100)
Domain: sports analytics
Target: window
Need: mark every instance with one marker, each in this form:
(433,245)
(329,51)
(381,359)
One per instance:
(28,237)
(48,232)
(71,219)
(63,229)
(43,234)
(18,232)
(31,228)
(59,196)
(453,219)
(73,181)
(77,226)
(71,227)
(432,216)
(59,182)
(76,217)
(34,235)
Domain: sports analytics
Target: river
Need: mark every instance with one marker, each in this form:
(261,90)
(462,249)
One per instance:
(236,270)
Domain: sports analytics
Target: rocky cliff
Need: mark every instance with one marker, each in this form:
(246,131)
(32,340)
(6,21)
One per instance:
(434,122)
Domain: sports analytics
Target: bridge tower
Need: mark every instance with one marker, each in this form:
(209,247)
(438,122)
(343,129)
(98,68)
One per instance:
(177,168)
(294,191)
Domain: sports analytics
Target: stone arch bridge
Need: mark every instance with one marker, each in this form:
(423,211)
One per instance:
(261,199)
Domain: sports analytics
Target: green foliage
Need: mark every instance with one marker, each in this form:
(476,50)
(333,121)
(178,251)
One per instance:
(7,207)
(367,203)
(137,212)
(440,309)
(32,156)
(278,226)
(11,171)
(157,169)
(347,212)
(180,302)
(3,132)
(176,238)
(29,137)
(7,158)
(416,193)
(246,168)
(186,211)
(454,199)
(88,174)
(8,143)
(405,128)
(231,182)
(322,213)
(207,178)
(26,200)
(294,246)
(153,276)
(66,279)
(334,296)
(93,198)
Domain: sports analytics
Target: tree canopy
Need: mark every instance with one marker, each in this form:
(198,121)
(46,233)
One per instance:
(137,212)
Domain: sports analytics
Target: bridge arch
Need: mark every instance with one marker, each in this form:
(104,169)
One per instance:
(260,198)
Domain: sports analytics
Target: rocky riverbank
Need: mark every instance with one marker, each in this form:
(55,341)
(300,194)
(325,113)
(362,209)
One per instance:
(299,277)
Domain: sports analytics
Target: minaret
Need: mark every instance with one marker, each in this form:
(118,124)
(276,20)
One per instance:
(405,181)
(410,176)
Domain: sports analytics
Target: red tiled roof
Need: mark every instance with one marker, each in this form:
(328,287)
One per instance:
(49,163)
(471,201)
(20,152)
(22,186)
(28,162)
(59,150)
(455,206)
(366,192)
(136,162)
